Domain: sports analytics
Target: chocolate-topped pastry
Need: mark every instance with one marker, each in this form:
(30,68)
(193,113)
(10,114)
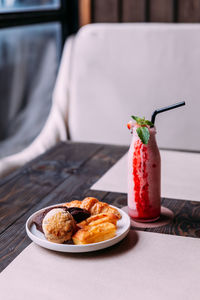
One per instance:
(78,214)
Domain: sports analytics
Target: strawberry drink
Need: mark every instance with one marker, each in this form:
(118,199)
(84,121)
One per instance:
(143,172)
(144,168)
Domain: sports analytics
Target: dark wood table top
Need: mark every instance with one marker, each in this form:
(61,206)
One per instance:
(64,173)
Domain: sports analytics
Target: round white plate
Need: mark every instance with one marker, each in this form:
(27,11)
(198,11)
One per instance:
(123,226)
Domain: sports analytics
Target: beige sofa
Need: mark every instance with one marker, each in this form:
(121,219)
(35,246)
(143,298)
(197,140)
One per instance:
(109,72)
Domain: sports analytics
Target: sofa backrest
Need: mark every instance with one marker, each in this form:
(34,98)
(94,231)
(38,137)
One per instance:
(119,70)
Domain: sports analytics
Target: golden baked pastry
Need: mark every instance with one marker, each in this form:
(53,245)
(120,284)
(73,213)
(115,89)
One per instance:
(94,234)
(74,203)
(88,203)
(58,225)
(94,206)
(98,219)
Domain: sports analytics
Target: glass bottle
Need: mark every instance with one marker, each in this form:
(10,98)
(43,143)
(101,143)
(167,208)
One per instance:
(144,176)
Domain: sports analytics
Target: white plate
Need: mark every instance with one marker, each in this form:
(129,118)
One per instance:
(123,226)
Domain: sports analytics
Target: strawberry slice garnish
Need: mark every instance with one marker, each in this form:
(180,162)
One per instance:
(130,125)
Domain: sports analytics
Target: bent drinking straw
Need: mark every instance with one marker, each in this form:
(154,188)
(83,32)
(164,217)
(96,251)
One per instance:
(158,111)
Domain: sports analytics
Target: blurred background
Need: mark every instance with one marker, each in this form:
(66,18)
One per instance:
(32,35)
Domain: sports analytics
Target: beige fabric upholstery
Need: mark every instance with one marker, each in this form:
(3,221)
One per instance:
(118,70)
(121,70)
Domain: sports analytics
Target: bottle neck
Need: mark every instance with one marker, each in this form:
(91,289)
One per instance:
(152,138)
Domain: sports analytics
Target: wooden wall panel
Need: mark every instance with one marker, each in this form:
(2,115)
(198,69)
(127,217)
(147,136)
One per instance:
(84,12)
(105,11)
(133,11)
(188,11)
(161,11)
(94,11)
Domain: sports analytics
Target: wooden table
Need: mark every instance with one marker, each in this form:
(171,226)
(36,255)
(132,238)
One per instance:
(64,173)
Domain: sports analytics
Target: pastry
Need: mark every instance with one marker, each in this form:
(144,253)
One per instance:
(94,206)
(98,219)
(74,203)
(77,213)
(89,202)
(58,225)
(101,207)
(94,234)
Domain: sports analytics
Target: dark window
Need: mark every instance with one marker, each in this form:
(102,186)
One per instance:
(20,5)
(32,35)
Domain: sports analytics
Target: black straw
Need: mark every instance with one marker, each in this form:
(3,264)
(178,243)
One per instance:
(158,111)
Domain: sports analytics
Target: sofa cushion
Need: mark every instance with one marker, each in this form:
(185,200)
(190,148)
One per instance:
(120,70)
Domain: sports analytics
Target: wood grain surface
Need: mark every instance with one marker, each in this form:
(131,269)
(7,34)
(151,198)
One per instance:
(105,11)
(133,11)
(186,11)
(186,221)
(161,11)
(84,12)
(64,173)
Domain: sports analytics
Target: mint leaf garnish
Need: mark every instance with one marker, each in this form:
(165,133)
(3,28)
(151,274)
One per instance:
(142,121)
(137,119)
(148,123)
(143,133)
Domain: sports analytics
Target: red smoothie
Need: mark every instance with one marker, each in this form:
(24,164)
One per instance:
(144,178)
